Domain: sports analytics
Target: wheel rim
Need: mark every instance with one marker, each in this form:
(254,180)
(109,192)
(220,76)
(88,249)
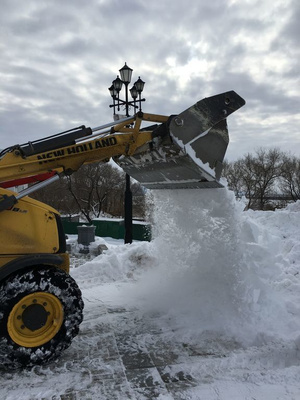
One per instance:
(35,319)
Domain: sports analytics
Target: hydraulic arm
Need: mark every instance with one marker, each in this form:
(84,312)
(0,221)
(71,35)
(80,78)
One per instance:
(184,150)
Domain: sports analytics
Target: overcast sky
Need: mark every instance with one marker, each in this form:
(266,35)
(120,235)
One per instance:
(58,59)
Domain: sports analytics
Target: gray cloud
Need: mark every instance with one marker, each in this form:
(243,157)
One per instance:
(59,58)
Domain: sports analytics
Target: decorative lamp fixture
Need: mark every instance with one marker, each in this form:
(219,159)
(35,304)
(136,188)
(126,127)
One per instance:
(134,92)
(139,84)
(113,92)
(126,73)
(118,84)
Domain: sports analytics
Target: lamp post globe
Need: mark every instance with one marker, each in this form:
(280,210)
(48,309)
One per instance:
(113,91)
(134,93)
(118,83)
(139,84)
(126,73)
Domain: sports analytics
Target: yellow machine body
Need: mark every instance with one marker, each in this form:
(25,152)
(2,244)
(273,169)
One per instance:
(28,228)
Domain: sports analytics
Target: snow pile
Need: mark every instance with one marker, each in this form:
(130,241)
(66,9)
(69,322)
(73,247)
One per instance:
(272,255)
(118,263)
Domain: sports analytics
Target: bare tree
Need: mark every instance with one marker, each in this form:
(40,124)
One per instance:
(58,196)
(290,176)
(255,176)
(234,172)
(138,200)
(91,191)
(97,188)
(267,168)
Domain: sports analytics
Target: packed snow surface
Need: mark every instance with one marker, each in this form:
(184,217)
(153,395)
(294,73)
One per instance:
(218,282)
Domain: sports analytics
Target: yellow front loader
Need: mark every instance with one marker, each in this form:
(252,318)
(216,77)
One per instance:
(40,304)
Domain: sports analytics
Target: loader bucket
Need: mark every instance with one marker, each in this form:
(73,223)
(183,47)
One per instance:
(188,150)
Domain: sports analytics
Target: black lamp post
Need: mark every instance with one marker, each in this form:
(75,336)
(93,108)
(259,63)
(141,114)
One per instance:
(135,92)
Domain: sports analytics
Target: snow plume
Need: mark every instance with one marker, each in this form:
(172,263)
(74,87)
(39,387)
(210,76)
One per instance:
(198,278)
(213,271)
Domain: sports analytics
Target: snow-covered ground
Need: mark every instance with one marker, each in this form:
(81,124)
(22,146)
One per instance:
(213,302)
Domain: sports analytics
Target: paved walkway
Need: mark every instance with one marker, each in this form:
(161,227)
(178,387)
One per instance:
(121,354)
(124,357)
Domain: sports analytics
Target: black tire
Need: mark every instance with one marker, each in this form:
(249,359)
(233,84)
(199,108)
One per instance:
(53,284)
